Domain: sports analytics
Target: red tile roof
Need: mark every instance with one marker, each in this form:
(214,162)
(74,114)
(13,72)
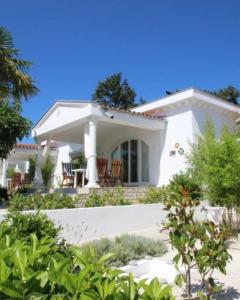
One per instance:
(26,146)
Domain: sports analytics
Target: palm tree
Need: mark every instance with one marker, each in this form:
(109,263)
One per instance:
(14,79)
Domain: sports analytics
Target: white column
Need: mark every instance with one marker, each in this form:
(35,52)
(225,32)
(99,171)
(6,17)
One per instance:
(4,173)
(26,166)
(38,175)
(90,152)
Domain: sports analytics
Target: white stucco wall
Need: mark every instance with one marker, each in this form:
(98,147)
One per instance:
(80,225)
(179,130)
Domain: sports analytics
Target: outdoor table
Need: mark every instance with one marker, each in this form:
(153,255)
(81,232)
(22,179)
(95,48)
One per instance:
(79,170)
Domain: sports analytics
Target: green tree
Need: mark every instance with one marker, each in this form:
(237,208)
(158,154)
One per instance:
(14,79)
(229,93)
(215,163)
(12,126)
(15,84)
(115,91)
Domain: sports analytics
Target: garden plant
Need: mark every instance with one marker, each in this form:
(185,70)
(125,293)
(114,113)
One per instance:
(35,267)
(199,245)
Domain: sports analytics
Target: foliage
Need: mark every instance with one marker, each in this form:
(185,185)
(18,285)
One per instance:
(125,248)
(21,226)
(10,172)
(14,79)
(114,197)
(185,181)
(229,93)
(37,201)
(215,163)
(47,168)
(13,126)
(35,271)
(32,166)
(197,244)
(3,195)
(79,160)
(15,83)
(154,195)
(115,91)
(212,253)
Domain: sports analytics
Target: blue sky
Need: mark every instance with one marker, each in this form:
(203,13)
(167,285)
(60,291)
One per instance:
(158,45)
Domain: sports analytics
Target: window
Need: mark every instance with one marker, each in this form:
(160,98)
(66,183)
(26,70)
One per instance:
(135,158)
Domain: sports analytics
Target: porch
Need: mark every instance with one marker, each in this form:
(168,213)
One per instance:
(109,133)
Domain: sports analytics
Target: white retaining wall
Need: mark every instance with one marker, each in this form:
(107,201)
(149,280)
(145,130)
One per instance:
(83,224)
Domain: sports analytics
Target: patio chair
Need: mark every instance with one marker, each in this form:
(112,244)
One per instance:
(103,177)
(16,182)
(26,179)
(67,174)
(115,173)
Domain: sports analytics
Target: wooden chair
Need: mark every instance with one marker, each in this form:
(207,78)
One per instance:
(103,178)
(16,182)
(116,172)
(68,178)
(26,179)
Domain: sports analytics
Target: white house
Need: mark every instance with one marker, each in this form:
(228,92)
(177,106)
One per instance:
(18,159)
(151,139)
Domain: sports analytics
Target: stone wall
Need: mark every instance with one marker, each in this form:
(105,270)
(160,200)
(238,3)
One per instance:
(133,194)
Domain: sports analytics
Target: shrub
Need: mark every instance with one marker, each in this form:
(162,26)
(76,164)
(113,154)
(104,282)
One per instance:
(3,195)
(35,271)
(95,200)
(10,172)
(154,195)
(126,248)
(113,197)
(21,226)
(215,163)
(200,245)
(185,182)
(38,201)
(47,170)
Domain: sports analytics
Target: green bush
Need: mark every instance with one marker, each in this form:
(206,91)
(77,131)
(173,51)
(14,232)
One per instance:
(10,172)
(3,195)
(154,195)
(215,162)
(21,226)
(185,182)
(113,198)
(36,270)
(94,200)
(47,170)
(125,248)
(38,201)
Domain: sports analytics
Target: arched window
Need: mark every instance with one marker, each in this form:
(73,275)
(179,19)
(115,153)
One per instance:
(135,158)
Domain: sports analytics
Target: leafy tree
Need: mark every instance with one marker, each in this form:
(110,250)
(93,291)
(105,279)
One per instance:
(115,91)
(14,79)
(230,93)
(15,84)
(12,126)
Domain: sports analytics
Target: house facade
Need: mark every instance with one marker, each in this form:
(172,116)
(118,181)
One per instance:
(152,140)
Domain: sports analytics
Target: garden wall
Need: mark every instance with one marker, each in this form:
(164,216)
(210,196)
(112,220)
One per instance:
(83,224)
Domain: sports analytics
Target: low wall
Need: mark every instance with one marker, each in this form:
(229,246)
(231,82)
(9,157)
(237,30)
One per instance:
(83,224)
(132,194)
